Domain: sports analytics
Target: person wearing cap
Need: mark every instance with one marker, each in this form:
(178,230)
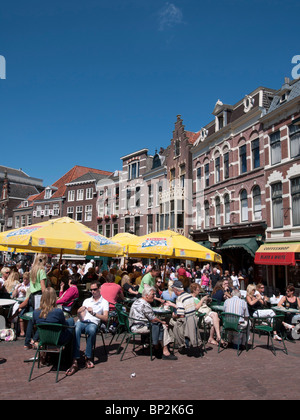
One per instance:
(184,322)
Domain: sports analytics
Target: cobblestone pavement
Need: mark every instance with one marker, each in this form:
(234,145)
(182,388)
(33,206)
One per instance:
(256,374)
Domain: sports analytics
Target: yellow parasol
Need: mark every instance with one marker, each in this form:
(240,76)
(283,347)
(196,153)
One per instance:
(125,239)
(63,235)
(172,245)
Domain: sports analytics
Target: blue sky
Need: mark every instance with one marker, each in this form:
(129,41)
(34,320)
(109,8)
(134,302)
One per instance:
(88,81)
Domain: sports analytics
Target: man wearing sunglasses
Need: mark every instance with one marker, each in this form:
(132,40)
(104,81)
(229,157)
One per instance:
(93,311)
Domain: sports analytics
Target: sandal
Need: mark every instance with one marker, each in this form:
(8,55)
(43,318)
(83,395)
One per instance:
(89,364)
(214,342)
(73,369)
(276,337)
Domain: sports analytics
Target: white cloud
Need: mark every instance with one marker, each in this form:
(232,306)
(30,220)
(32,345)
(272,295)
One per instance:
(169,16)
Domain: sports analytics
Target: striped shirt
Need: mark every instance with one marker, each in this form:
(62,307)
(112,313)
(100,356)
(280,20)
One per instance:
(237,306)
(185,304)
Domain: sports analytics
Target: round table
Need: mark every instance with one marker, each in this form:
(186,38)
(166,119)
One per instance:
(7,302)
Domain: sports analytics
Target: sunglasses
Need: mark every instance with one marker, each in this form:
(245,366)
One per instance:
(93,290)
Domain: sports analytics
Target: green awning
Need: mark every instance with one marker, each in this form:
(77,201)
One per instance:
(249,244)
(205,243)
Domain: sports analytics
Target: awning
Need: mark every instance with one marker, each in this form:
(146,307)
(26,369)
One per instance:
(278,254)
(206,244)
(249,244)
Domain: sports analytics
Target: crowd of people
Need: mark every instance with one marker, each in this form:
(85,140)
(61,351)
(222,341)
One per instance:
(50,290)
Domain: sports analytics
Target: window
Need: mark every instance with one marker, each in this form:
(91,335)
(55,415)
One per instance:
(55,209)
(128,196)
(227,208)
(244,206)
(176,148)
(198,175)
(127,224)
(172,177)
(79,210)
(217,169)
(116,228)
(198,216)
(70,212)
(48,193)
(29,219)
(134,170)
(137,225)
(137,196)
(23,220)
(100,229)
(206,213)
(71,195)
(275,146)
(17,222)
(38,211)
(46,210)
(218,211)
(255,154)
(256,203)
(182,175)
(180,214)
(88,213)
(206,171)
(294,131)
(172,214)
(107,230)
(295,193)
(149,223)
(150,195)
(79,195)
(226,165)
(89,193)
(243,159)
(277,210)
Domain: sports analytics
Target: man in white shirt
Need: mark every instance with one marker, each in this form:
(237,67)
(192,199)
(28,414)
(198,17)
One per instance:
(92,311)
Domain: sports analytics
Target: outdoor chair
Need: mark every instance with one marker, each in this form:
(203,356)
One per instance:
(121,324)
(268,326)
(49,337)
(231,323)
(129,335)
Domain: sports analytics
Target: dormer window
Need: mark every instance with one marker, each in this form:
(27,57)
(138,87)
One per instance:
(25,203)
(48,193)
(283,97)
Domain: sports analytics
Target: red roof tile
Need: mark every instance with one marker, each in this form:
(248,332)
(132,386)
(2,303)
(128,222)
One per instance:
(192,137)
(72,174)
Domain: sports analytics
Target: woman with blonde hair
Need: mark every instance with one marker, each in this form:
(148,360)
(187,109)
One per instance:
(38,283)
(38,277)
(49,313)
(12,282)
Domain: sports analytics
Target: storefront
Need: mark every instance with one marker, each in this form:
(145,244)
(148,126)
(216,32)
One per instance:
(282,261)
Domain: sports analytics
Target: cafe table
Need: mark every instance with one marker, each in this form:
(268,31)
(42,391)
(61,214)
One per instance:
(285,310)
(162,312)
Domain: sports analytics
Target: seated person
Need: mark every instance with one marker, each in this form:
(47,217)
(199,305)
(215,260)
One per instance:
(20,292)
(293,302)
(238,306)
(111,291)
(93,310)
(49,313)
(142,313)
(257,306)
(66,297)
(221,291)
(183,323)
(128,284)
(169,295)
(211,318)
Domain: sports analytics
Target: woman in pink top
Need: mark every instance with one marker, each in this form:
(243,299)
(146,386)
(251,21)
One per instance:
(205,280)
(67,297)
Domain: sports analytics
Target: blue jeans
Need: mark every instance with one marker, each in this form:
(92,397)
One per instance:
(90,329)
